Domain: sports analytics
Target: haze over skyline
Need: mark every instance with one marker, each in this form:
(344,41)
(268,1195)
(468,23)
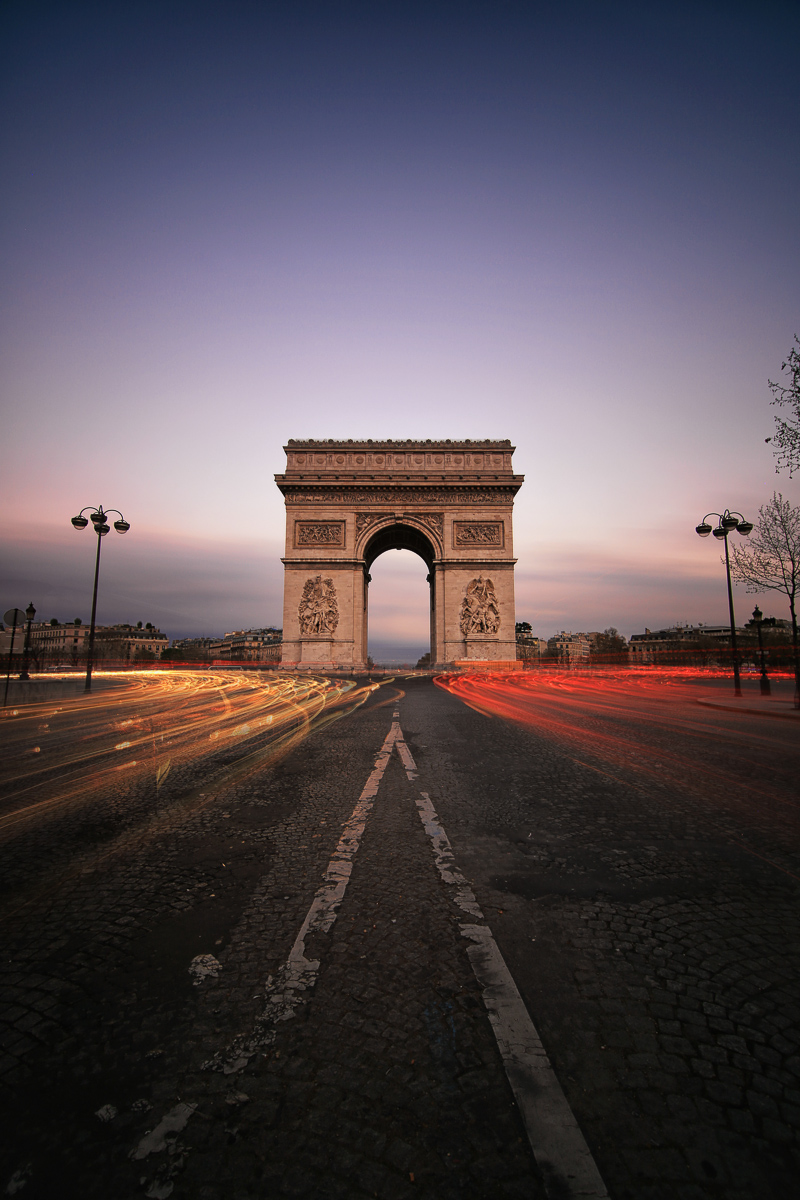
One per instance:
(574,226)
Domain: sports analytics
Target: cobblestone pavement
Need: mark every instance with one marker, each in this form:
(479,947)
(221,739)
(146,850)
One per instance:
(644,866)
(648,914)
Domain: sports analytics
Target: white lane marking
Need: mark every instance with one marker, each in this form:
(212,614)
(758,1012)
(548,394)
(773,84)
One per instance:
(559,1147)
(298,975)
(562,1155)
(156,1140)
(463,895)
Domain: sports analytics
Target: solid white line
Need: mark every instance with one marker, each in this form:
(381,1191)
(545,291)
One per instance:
(562,1155)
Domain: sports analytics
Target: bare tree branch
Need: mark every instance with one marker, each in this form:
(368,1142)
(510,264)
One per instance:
(787,435)
(771,562)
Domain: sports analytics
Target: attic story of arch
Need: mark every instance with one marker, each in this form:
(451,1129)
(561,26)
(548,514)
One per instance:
(450,502)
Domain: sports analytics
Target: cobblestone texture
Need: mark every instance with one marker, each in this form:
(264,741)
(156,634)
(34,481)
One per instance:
(648,914)
(654,932)
(388,1083)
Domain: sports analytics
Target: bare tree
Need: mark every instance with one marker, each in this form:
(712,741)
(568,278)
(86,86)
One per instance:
(787,436)
(610,646)
(771,562)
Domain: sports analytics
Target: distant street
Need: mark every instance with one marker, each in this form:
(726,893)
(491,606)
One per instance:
(270,937)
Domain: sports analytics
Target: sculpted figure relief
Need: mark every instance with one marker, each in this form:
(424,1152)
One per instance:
(434,521)
(482,533)
(365,520)
(479,608)
(328,533)
(318,610)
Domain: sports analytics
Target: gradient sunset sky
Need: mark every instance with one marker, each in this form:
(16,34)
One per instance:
(574,225)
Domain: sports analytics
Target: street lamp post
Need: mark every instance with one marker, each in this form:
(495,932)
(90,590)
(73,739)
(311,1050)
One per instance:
(728,521)
(14,617)
(30,613)
(98,519)
(758,617)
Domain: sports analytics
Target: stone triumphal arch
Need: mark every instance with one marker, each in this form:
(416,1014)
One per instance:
(348,501)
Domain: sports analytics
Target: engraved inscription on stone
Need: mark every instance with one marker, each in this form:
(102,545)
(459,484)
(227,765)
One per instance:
(478,533)
(319,533)
(318,610)
(480,612)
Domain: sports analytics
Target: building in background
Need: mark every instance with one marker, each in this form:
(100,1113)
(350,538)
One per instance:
(54,644)
(129,643)
(192,649)
(529,647)
(248,645)
(710,645)
(57,644)
(569,647)
(679,643)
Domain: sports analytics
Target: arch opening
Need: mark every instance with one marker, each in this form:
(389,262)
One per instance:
(399,537)
(398,629)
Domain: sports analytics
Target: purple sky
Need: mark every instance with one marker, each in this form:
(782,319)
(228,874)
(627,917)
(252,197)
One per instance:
(224,225)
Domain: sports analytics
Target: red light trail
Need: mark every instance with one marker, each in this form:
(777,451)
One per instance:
(623,723)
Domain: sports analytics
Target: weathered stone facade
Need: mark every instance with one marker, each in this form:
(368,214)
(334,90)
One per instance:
(347,502)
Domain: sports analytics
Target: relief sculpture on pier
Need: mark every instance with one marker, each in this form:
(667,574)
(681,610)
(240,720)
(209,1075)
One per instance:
(477,533)
(480,612)
(319,533)
(318,611)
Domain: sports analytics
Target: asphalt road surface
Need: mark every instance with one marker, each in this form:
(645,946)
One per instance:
(466,939)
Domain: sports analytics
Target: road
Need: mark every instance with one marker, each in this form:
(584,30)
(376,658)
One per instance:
(301,938)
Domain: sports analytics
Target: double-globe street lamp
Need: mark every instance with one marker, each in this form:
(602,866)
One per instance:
(98,518)
(728,521)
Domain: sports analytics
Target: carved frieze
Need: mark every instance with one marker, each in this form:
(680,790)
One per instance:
(410,495)
(467,534)
(480,612)
(319,533)
(318,611)
(386,459)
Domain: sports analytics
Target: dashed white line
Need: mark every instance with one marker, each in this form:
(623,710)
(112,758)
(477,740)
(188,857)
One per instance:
(559,1147)
(568,1170)
(297,977)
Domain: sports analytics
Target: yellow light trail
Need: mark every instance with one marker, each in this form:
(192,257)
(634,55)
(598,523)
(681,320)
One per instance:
(229,723)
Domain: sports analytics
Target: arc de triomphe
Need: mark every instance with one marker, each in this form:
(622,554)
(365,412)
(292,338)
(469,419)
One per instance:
(349,501)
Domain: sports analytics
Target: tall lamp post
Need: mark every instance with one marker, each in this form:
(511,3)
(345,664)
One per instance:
(14,617)
(758,618)
(101,528)
(728,521)
(30,613)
